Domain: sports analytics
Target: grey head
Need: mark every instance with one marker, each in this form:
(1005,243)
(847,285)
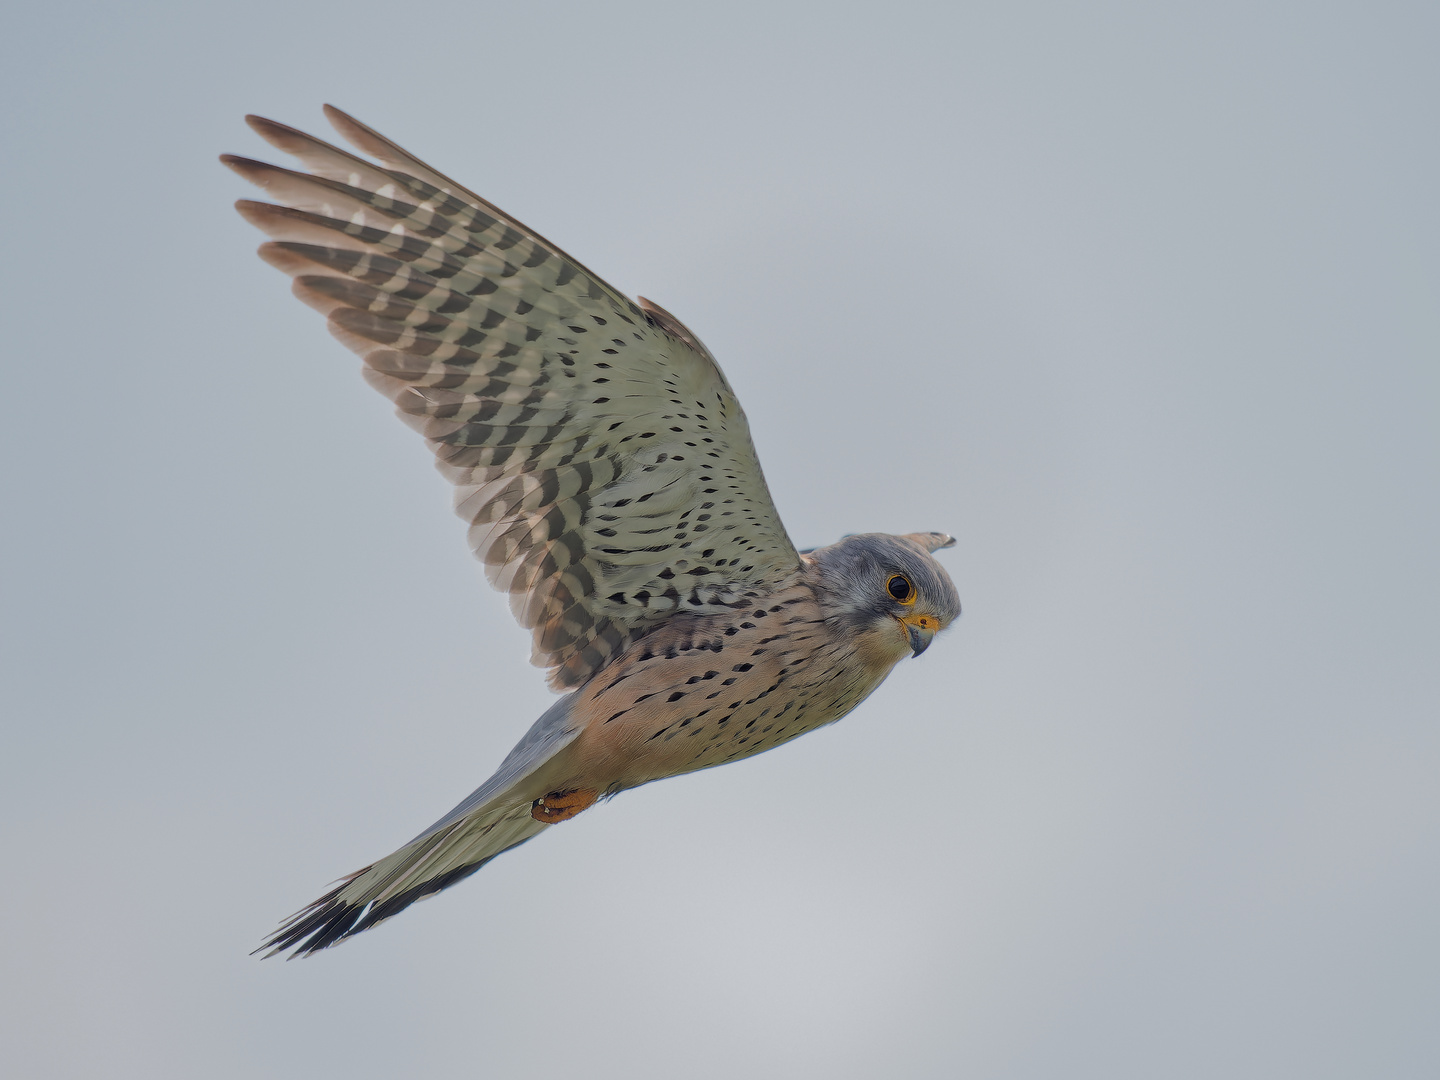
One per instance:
(888,591)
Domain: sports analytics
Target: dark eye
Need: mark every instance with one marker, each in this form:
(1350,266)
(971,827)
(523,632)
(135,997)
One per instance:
(900,588)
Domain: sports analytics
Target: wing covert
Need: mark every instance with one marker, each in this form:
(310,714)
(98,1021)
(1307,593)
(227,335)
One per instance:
(601,458)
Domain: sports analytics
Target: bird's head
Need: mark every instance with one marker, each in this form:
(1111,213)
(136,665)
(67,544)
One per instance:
(887,590)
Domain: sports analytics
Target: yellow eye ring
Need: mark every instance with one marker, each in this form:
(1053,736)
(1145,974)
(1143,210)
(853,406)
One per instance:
(900,589)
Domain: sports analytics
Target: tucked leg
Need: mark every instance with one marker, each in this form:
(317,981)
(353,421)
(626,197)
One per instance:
(563,805)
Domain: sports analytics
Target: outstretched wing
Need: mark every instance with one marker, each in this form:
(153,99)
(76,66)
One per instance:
(599,454)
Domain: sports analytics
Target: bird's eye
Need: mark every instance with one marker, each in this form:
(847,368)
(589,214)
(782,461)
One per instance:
(899,587)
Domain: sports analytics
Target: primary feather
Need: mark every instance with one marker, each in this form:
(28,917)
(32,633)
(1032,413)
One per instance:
(601,458)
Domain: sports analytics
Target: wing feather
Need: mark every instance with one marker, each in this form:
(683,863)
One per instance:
(599,455)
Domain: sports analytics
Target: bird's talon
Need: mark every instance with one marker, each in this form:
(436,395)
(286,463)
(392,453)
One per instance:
(562,805)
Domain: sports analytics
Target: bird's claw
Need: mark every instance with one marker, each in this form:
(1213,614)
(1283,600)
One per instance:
(562,805)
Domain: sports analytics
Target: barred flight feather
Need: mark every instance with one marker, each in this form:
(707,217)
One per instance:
(599,455)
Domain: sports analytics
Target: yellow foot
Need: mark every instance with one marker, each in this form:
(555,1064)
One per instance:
(563,805)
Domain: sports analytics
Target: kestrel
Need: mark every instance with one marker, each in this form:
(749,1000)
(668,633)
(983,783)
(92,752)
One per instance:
(612,489)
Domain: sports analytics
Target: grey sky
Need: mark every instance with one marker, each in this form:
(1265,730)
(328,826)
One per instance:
(1138,300)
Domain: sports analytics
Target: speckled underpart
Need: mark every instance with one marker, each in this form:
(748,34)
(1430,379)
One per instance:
(706,691)
(607,475)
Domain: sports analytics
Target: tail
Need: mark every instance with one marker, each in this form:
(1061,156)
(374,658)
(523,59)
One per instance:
(494,819)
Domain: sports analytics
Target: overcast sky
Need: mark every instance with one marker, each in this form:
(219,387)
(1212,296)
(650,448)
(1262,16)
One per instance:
(1137,300)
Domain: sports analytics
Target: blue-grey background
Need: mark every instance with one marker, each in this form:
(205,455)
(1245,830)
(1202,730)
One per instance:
(1138,300)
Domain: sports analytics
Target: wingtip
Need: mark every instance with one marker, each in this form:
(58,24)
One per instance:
(352,130)
(283,136)
(255,212)
(249,168)
(262,124)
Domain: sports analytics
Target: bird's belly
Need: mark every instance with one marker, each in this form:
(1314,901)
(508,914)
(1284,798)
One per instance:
(696,710)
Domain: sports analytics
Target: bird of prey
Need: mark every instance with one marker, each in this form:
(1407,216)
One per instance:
(607,474)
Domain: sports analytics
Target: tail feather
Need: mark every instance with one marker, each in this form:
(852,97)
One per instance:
(422,868)
(493,820)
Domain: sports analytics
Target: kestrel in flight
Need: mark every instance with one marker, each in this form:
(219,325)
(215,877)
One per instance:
(607,473)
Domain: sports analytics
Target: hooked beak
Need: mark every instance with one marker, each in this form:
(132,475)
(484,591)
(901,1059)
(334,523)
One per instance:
(920,629)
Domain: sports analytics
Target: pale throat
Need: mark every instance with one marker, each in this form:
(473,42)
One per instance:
(881,646)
